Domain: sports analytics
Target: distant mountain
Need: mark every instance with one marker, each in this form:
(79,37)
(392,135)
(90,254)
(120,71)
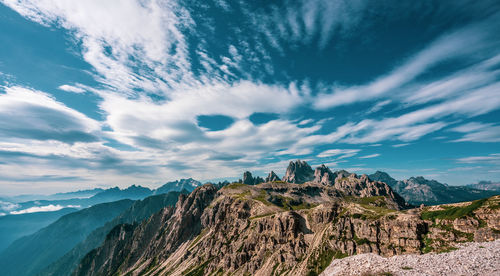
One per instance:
(137,212)
(13,227)
(112,194)
(486,185)
(77,194)
(177,186)
(56,196)
(29,254)
(133,192)
(418,190)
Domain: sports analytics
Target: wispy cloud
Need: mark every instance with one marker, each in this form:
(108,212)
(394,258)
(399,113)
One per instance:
(341,153)
(43,118)
(71,88)
(478,132)
(370,156)
(493,158)
(445,47)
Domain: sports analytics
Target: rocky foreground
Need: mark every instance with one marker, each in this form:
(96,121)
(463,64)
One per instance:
(468,259)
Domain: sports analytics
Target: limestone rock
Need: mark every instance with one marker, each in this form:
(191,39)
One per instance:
(298,172)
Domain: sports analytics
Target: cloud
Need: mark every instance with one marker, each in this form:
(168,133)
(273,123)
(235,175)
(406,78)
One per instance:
(71,88)
(43,118)
(369,156)
(478,132)
(400,145)
(344,153)
(493,158)
(446,47)
(46,208)
(8,206)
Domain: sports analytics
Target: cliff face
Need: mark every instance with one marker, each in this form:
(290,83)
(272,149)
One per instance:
(283,228)
(158,236)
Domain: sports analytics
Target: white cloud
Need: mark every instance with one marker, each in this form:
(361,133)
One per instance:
(43,118)
(370,156)
(46,208)
(344,153)
(71,88)
(478,132)
(400,145)
(493,158)
(8,206)
(446,47)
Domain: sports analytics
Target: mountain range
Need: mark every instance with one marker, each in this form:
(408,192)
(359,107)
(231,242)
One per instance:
(72,236)
(268,226)
(25,218)
(290,227)
(418,190)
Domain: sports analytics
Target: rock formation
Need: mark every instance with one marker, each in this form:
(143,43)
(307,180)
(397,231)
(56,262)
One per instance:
(287,228)
(272,177)
(298,172)
(248,179)
(324,176)
(282,228)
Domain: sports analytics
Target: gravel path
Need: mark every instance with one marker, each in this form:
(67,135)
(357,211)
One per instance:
(470,259)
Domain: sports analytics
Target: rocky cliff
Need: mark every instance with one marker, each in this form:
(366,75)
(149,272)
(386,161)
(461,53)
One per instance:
(283,228)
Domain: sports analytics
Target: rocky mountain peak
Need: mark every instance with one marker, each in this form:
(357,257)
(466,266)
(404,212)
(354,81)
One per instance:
(324,176)
(250,180)
(272,177)
(298,172)
(383,177)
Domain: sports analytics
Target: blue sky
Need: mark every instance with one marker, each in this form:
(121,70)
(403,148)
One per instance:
(106,93)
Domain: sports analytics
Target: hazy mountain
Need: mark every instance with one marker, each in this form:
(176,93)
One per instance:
(29,254)
(486,185)
(418,190)
(137,212)
(112,194)
(13,227)
(178,185)
(56,196)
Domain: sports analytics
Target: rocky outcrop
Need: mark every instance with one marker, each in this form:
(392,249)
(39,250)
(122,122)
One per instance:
(284,228)
(298,172)
(248,179)
(324,176)
(418,190)
(271,177)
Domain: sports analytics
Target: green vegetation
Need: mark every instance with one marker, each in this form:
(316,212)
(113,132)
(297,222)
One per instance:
(261,216)
(150,267)
(197,271)
(243,195)
(287,203)
(453,212)
(406,268)
(198,238)
(235,185)
(360,241)
(262,198)
(323,260)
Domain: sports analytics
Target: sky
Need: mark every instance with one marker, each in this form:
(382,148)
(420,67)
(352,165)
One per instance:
(120,92)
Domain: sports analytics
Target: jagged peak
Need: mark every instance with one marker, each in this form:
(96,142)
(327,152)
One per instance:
(272,176)
(298,172)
